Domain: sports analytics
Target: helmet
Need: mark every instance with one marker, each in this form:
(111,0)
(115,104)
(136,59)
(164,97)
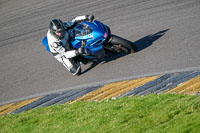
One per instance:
(57,28)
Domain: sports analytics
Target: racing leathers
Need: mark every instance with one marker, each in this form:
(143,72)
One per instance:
(62,49)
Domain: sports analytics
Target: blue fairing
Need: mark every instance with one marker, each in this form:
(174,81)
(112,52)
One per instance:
(45,43)
(98,33)
(94,33)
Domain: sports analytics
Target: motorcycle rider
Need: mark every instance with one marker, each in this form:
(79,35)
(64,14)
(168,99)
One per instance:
(58,40)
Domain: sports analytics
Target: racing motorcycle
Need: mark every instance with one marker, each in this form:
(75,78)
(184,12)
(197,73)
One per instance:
(97,40)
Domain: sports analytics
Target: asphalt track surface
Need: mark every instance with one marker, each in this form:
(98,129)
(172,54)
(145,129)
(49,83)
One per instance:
(167,33)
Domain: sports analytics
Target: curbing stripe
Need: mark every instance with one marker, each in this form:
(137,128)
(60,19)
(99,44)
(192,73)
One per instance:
(82,93)
(115,89)
(94,93)
(173,78)
(98,92)
(162,84)
(107,90)
(4,107)
(146,86)
(121,89)
(56,99)
(190,87)
(15,106)
(177,82)
(169,83)
(75,95)
(35,103)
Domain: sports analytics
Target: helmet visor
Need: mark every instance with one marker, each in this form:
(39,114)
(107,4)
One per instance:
(60,33)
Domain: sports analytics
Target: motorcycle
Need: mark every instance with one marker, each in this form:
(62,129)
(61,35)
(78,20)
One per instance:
(97,40)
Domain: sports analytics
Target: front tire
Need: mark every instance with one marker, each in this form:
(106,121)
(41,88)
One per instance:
(120,44)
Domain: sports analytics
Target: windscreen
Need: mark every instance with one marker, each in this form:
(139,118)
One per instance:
(82,29)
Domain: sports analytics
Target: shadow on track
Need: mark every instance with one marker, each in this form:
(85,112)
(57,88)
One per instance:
(141,44)
(148,40)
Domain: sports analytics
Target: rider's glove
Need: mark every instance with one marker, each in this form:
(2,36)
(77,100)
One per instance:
(90,17)
(58,47)
(79,51)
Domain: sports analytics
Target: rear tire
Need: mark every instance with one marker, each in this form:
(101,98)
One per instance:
(120,44)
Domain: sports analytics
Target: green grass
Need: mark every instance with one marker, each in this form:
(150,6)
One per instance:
(152,113)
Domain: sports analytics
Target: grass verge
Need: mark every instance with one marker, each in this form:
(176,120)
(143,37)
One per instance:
(152,113)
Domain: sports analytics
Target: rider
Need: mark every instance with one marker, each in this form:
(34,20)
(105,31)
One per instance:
(59,44)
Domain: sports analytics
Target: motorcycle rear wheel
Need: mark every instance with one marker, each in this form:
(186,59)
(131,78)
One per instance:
(119,44)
